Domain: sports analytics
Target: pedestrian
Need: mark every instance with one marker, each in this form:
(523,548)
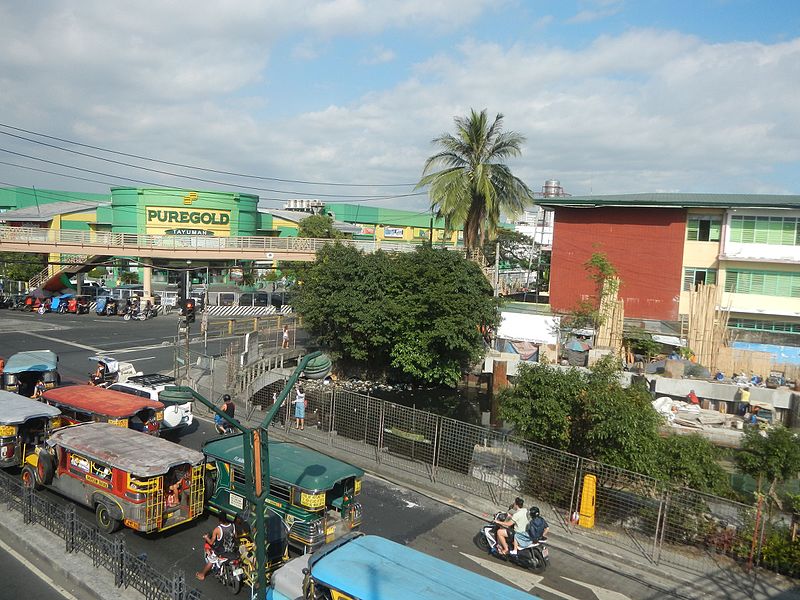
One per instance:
(744,400)
(299,408)
(692,397)
(285,336)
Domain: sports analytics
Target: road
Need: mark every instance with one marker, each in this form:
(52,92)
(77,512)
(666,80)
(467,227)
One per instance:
(392,511)
(22,579)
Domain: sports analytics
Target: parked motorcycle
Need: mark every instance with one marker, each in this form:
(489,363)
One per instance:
(533,556)
(227,569)
(141,315)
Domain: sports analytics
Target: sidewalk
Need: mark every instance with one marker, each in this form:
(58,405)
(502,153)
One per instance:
(73,572)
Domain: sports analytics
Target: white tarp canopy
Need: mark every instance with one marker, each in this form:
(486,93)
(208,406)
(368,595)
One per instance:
(525,327)
(670,340)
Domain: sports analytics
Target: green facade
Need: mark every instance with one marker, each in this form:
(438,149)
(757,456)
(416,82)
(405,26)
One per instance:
(12,198)
(374,215)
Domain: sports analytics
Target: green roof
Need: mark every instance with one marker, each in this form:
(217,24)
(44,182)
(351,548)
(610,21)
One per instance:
(289,463)
(678,200)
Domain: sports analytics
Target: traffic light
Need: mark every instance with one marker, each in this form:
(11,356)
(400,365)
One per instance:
(182,288)
(188,310)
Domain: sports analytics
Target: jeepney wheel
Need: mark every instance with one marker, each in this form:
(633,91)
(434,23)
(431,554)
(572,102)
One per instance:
(105,522)
(29,478)
(45,469)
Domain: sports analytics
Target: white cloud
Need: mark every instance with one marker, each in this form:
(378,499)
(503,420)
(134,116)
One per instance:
(601,9)
(379,55)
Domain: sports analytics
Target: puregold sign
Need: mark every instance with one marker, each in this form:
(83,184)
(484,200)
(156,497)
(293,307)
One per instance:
(162,220)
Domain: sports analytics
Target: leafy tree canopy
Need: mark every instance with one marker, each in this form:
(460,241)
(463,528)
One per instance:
(593,416)
(770,456)
(516,249)
(702,472)
(318,226)
(415,316)
(20,266)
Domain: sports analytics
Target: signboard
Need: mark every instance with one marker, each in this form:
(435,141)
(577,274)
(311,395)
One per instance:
(160,220)
(393,232)
(367,231)
(188,232)
(236,274)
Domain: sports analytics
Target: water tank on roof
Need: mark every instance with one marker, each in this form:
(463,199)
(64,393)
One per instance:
(552,188)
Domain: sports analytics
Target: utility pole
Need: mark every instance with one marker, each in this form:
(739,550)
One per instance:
(497,270)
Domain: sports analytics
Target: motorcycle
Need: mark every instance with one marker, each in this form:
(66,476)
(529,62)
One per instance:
(227,568)
(533,556)
(141,315)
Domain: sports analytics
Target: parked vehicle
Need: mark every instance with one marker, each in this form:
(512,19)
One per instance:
(24,369)
(533,556)
(106,306)
(313,493)
(123,475)
(137,313)
(369,567)
(79,305)
(59,303)
(84,403)
(24,425)
(177,405)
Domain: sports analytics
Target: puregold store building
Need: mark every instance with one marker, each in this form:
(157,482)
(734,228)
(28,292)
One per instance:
(178,212)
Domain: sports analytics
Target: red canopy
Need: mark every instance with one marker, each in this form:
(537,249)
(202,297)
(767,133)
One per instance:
(90,399)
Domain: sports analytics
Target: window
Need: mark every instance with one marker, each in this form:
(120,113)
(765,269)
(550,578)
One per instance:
(694,277)
(756,325)
(775,231)
(703,229)
(763,283)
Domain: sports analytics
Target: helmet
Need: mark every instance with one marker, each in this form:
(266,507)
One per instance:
(226,398)
(533,512)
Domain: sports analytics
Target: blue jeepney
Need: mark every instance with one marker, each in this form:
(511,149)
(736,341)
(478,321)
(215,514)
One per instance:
(24,425)
(23,370)
(369,567)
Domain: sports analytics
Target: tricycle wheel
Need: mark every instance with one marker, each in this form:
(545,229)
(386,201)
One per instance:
(29,478)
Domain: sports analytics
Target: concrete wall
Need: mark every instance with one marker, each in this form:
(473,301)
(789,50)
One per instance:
(678,388)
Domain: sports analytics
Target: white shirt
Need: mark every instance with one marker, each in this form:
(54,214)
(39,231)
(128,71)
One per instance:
(520,518)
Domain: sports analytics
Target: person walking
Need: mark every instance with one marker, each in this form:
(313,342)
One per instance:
(285,336)
(299,408)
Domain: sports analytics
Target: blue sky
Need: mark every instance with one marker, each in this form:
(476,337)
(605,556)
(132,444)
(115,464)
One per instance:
(612,96)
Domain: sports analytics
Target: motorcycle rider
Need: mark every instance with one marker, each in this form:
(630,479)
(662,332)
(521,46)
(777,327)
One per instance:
(223,536)
(516,520)
(537,528)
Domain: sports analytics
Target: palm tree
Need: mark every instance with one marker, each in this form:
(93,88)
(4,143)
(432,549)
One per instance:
(474,186)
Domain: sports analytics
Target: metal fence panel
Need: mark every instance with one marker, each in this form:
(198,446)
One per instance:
(408,438)
(356,423)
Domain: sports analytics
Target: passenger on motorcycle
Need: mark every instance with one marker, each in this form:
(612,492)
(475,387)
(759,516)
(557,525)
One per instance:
(223,539)
(536,529)
(515,519)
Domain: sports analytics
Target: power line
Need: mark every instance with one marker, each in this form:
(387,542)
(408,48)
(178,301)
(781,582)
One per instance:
(175,164)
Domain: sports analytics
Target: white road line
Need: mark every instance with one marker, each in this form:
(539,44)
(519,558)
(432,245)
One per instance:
(52,339)
(601,593)
(133,360)
(36,571)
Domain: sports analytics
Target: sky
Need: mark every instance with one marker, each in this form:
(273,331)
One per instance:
(340,100)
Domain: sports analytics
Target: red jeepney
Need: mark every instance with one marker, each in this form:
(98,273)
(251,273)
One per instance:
(85,403)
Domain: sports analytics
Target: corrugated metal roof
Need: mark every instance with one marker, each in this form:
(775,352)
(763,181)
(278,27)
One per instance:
(46,212)
(295,216)
(16,409)
(677,200)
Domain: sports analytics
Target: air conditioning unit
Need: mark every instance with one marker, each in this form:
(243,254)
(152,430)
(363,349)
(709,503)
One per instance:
(270,256)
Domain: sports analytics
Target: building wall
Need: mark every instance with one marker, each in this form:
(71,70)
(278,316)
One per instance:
(645,245)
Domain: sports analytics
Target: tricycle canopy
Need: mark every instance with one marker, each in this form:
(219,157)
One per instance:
(32,360)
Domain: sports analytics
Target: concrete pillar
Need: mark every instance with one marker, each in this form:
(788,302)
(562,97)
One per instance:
(147,283)
(78,284)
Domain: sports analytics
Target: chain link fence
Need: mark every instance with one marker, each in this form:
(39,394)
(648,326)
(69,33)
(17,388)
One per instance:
(108,552)
(663,523)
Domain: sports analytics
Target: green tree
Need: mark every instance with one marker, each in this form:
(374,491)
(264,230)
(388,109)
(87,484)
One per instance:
(98,273)
(473,185)
(691,461)
(318,226)
(20,266)
(516,249)
(769,457)
(414,316)
(129,277)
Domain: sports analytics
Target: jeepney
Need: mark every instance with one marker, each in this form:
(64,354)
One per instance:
(314,494)
(124,476)
(85,403)
(24,425)
(23,371)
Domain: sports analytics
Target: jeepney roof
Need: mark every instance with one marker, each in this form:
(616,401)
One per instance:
(132,451)
(374,568)
(16,409)
(289,463)
(32,360)
(109,403)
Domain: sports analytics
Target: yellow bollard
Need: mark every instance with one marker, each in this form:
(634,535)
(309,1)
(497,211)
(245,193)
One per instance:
(588,497)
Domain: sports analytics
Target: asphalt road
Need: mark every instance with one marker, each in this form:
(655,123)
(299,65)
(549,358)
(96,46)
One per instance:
(394,512)
(22,579)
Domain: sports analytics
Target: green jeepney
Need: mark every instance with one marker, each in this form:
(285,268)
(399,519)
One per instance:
(314,494)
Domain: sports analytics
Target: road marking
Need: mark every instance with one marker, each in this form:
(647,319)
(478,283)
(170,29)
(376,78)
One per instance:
(133,360)
(550,590)
(36,571)
(52,339)
(521,578)
(601,593)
